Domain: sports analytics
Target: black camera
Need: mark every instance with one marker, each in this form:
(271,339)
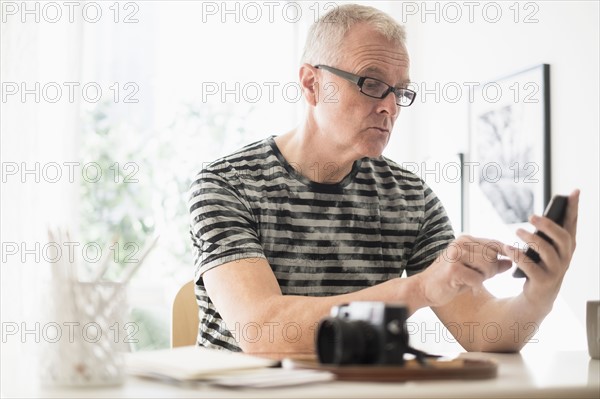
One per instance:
(364,333)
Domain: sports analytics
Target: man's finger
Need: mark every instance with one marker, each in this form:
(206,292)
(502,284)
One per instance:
(504,265)
(525,263)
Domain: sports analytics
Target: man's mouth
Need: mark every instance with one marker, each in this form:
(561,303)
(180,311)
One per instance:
(381,129)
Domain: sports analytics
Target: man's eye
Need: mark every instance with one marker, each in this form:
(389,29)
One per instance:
(372,84)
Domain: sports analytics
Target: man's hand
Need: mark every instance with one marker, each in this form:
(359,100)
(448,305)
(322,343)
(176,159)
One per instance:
(464,265)
(453,283)
(545,278)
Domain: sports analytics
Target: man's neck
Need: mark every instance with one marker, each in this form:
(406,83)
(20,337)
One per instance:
(313,158)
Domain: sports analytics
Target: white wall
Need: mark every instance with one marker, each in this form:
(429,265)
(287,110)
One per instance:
(564,36)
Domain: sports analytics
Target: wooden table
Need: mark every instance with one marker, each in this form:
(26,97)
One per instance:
(531,374)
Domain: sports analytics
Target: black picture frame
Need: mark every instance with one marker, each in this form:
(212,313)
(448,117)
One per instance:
(444,174)
(507,170)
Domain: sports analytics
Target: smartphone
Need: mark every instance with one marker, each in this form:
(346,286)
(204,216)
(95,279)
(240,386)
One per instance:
(555,211)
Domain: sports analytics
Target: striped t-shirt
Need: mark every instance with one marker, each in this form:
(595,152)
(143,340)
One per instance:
(319,239)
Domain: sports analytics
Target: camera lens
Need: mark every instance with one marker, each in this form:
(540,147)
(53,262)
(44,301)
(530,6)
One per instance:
(347,342)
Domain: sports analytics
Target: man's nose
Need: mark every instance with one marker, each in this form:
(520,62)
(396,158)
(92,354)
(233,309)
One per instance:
(388,105)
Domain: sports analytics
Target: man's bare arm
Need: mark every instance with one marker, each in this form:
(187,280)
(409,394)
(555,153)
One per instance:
(246,292)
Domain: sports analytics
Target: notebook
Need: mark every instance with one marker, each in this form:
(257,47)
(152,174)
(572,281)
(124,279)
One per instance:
(190,363)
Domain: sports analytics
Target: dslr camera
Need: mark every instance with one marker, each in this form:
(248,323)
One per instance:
(364,333)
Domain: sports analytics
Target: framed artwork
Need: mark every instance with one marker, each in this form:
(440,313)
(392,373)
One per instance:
(507,171)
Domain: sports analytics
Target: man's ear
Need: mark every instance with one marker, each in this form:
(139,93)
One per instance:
(309,83)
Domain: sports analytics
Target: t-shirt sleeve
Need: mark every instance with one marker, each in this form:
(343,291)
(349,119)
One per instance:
(434,235)
(222,226)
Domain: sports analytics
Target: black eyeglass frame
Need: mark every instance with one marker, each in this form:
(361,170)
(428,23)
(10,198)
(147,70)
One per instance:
(360,80)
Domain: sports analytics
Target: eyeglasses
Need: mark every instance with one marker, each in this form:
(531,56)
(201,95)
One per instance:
(374,88)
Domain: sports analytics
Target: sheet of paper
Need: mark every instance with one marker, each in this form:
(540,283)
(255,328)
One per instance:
(273,377)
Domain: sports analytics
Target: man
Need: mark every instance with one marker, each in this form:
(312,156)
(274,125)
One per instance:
(290,226)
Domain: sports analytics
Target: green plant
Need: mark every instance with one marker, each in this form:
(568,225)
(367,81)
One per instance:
(145,176)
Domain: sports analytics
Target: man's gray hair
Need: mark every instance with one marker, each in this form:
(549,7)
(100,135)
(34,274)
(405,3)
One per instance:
(325,36)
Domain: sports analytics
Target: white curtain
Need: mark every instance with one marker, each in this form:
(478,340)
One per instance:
(35,137)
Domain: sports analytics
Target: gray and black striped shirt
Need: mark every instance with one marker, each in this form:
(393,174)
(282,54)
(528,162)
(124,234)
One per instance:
(320,239)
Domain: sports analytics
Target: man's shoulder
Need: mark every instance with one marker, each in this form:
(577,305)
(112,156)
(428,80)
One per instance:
(248,155)
(247,158)
(226,170)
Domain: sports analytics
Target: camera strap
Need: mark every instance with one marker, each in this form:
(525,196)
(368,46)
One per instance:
(420,356)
